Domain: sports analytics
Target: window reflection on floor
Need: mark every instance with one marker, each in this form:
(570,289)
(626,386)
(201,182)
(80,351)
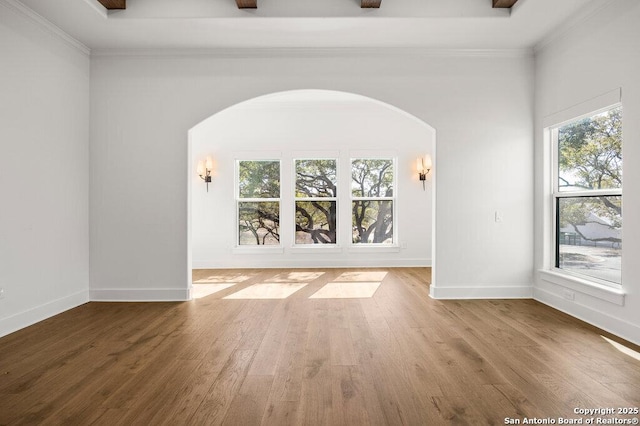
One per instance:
(267,291)
(376,276)
(203,290)
(625,350)
(352,284)
(296,277)
(348,290)
(224,278)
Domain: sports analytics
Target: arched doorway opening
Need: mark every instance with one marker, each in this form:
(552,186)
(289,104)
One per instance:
(285,130)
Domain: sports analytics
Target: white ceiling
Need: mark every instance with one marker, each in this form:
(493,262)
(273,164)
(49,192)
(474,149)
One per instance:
(205,24)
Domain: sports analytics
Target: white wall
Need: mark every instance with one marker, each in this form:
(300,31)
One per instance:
(301,124)
(598,55)
(44,133)
(481,105)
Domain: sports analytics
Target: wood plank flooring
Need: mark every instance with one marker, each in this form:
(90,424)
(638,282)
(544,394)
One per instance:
(394,358)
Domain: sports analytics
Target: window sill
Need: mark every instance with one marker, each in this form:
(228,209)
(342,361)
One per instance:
(316,248)
(257,250)
(599,291)
(390,248)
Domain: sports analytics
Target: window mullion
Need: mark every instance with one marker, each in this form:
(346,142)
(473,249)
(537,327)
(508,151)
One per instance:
(258,200)
(590,193)
(373,198)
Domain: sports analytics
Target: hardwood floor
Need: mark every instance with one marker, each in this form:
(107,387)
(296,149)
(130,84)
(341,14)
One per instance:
(397,357)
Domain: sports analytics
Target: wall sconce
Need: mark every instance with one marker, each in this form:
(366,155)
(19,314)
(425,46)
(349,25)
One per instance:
(424,167)
(204,170)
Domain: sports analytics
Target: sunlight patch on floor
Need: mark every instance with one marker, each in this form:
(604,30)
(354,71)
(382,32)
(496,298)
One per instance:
(287,277)
(625,350)
(370,276)
(267,291)
(348,290)
(198,291)
(224,279)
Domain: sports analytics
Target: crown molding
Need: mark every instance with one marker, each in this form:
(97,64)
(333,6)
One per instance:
(95,5)
(317,52)
(569,26)
(45,24)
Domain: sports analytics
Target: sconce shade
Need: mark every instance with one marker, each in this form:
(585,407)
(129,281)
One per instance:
(424,166)
(204,170)
(427,162)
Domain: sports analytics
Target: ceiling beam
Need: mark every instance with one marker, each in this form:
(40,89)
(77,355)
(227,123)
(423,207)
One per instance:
(247,4)
(503,4)
(370,4)
(114,4)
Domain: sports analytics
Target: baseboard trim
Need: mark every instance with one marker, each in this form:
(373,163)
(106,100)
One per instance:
(334,263)
(481,292)
(606,322)
(39,313)
(139,295)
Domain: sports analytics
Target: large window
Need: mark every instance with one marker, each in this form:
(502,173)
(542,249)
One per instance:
(372,201)
(258,202)
(588,196)
(316,201)
(309,202)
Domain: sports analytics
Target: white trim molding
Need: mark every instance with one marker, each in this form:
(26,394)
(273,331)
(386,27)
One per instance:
(584,286)
(571,24)
(262,249)
(589,107)
(98,7)
(517,291)
(313,263)
(140,295)
(373,248)
(602,320)
(40,313)
(316,249)
(318,52)
(47,25)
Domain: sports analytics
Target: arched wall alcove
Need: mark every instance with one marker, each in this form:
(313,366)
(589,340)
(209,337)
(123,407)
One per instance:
(309,124)
(143,107)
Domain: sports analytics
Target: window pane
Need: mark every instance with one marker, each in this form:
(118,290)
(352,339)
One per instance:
(259,179)
(590,236)
(316,178)
(372,178)
(259,223)
(372,222)
(590,152)
(315,222)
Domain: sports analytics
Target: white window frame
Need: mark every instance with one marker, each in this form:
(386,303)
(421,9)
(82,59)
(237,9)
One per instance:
(394,199)
(259,248)
(336,199)
(556,195)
